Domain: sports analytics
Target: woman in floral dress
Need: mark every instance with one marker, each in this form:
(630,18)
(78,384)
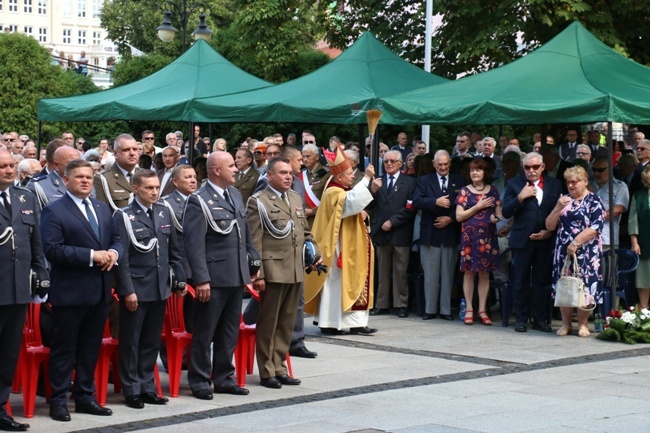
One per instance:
(579,219)
(478,207)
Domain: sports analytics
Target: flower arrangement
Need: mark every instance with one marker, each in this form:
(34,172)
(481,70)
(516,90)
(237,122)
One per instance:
(629,326)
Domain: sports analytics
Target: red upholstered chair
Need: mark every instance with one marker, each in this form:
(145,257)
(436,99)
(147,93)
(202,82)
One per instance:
(176,339)
(32,355)
(245,349)
(108,353)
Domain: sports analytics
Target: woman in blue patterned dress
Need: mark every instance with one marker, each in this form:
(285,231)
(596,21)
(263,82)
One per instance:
(478,207)
(579,219)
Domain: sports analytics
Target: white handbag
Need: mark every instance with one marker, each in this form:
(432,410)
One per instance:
(570,289)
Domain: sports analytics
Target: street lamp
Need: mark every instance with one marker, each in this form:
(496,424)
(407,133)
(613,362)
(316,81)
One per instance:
(166,31)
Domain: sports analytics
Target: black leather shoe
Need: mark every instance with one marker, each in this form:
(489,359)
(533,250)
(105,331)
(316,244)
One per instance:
(271,382)
(363,330)
(541,326)
(446,317)
(520,327)
(303,352)
(92,408)
(403,312)
(134,402)
(152,398)
(379,311)
(332,331)
(59,413)
(233,389)
(7,423)
(428,316)
(202,394)
(285,379)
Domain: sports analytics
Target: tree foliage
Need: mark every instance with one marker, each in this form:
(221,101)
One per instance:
(477,35)
(267,36)
(135,22)
(399,24)
(26,76)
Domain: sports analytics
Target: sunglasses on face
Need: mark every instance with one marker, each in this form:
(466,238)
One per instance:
(308,142)
(532,167)
(599,170)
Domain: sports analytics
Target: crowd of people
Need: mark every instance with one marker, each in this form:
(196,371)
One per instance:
(120,227)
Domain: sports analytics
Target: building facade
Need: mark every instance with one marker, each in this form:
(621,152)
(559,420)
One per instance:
(66,27)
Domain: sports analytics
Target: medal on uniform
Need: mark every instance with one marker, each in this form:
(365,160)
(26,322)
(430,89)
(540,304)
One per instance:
(132,217)
(210,202)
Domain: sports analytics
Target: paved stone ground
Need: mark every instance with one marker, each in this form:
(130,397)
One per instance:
(415,376)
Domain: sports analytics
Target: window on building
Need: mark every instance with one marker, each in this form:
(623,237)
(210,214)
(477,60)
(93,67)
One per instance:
(27,6)
(67,8)
(81,9)
(1,7)
(42,7)
(28,30)
(13,28)
(97,38)
(97,8)
(13,5)
(67,36)
(42,34)
(81,37)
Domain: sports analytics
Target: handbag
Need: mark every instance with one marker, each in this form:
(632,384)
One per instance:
(570,289)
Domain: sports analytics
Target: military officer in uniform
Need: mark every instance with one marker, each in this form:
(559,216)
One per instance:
(217,241)
(184,179)
(279,227)
(20,251)
(143,285)
(247,176)
(51,187)
(114,186)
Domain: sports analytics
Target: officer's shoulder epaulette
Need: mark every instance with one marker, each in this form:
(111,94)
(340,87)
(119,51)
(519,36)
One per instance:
(258,194)
(39,177)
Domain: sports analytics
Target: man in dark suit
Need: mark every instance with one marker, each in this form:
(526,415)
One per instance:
(439,234)
(247,176)
(150,252)
(642,151)
(217,240)
(402,145)
(279,229)
(82,245)
(19,214)
(170,158)
(392,233)
(114,186)
(529,198)
(569,148)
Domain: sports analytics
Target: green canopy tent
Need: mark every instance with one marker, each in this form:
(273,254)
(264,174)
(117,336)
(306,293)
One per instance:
(340,92)
(167,94)
(573,78)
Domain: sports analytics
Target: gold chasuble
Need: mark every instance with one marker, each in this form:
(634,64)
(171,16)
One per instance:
(355,258)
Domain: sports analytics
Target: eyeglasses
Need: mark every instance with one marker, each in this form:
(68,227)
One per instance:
(308,142)
(259,152)
(8,139)
(583,153)
(641,149)
(599,170)
(532,167)
(273,154)
(147,138)
(391,161)
(573,182)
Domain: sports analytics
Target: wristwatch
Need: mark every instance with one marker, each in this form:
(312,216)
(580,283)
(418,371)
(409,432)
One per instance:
(575,244)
